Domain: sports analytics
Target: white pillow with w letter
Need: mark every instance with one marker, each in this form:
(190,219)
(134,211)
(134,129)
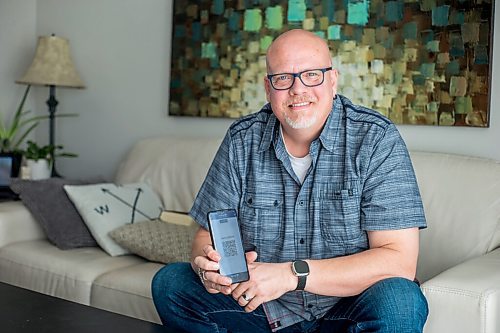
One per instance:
(105,207)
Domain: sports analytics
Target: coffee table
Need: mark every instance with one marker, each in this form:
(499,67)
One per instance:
(26,311)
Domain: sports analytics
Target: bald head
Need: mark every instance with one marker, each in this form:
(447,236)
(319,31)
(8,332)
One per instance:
(288,43)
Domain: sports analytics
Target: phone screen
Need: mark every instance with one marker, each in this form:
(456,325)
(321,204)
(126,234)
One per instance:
(226,237)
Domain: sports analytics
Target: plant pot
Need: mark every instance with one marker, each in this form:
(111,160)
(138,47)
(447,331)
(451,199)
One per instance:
(16,162)
(39,169)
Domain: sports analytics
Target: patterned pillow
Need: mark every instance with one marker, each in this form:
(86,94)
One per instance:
(105,207)
(53,210)
(156,240)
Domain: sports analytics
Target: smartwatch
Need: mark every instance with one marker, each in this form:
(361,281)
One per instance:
(300,269)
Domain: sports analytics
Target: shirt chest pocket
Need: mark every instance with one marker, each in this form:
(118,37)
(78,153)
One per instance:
(261,217)
(339,212)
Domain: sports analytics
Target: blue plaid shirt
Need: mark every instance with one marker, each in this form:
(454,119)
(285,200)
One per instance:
(361,178)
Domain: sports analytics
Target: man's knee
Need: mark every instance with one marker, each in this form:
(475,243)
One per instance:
(168,280)
(400,301)
(403,292)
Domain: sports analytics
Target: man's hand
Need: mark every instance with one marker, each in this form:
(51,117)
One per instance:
(208,265)
(267,281)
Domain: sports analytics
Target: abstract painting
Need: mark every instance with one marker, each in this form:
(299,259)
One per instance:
(425,62)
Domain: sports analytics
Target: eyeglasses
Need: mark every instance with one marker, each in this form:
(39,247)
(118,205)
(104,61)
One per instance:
(310,78)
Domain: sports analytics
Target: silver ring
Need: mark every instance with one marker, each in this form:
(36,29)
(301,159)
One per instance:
(201,274)
(246,298)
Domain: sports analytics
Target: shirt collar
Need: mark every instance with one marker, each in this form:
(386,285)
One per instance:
(330,131)
(269,131)
(327,137)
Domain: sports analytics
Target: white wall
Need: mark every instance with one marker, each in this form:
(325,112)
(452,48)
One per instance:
(17,31)
(122,51)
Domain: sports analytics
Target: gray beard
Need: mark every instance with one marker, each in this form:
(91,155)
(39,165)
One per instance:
(301,123)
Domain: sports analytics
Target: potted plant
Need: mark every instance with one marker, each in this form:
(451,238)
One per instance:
(39,159)
(13,133)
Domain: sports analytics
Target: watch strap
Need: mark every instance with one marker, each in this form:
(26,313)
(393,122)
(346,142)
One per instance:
(301,284)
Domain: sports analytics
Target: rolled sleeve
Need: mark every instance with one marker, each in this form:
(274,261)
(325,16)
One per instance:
(391,198)
(221,189)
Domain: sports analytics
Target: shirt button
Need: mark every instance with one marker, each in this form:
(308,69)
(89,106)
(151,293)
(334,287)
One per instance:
(309,306)
(301,202)
(302,241)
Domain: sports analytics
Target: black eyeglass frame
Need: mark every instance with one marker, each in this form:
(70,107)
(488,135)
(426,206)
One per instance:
(299,74)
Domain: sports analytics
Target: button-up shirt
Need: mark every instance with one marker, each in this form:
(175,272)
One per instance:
(361,179)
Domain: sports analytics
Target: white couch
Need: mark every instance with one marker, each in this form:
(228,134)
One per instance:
(459,262)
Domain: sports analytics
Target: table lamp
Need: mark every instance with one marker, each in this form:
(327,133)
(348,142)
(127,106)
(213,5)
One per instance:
(53,67)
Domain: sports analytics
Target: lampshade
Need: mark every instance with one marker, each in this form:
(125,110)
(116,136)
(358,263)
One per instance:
(52,64)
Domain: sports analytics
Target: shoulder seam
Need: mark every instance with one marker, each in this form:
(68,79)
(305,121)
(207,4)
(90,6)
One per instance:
(366,121)
(385,120)
(234,132)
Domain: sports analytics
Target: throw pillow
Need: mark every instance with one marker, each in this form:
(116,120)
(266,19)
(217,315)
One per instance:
(51,207)
(105,207)
(156,240)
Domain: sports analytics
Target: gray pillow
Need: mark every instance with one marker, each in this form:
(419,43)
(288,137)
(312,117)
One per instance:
(50,206)
(156,240)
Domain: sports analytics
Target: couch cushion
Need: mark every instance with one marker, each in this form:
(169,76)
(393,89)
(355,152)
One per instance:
(51,207)
(174,167)
(127,291)
(105,207)
(42,267)
(461,201)
(156,240)
(465,298)
(18,224)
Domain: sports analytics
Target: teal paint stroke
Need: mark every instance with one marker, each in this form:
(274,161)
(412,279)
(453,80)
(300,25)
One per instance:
(357,12)
(196,31)
(334,32)
(453,68)
(296,10)
(180,31)
(440,16)
(274,18)
(457,17)
(427,69)
(410,30)
(457,48)
(329,9)
(209,50)
(427,36)
(432,46)
(218,7)
(234,21)
(481,55)
(394,11)
(253,20)
(320,34)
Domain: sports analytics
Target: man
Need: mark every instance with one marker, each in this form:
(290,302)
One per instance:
(321,186)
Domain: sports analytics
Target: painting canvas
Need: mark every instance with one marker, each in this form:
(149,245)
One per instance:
(424,62)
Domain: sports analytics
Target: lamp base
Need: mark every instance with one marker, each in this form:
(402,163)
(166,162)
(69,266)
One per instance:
(54,173)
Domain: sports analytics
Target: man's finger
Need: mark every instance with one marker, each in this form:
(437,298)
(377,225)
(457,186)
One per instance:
(211,253)
(205,264)
(217,278)
(253,304)
(251,256)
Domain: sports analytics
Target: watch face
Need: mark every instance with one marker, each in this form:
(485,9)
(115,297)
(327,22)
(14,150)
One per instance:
(301,267)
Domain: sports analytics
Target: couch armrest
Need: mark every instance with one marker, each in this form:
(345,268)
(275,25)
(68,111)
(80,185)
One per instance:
(465,298)
(17,224)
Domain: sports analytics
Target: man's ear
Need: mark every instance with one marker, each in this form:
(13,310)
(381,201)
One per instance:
(268,88)
(334,76)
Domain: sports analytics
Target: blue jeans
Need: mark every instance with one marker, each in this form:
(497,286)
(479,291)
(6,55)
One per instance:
(392,305)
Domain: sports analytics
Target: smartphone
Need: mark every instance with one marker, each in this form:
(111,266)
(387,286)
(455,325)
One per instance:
(226,239)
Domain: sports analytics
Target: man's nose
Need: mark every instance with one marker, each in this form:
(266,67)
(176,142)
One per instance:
(298,87)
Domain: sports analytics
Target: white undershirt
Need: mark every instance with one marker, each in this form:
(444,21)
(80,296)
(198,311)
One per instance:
(300,165)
